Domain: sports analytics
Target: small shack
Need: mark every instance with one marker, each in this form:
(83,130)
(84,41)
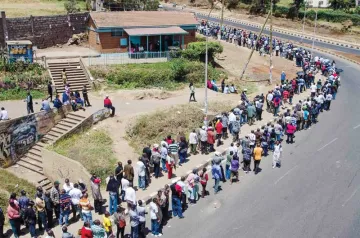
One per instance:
(140,31)
(21,50)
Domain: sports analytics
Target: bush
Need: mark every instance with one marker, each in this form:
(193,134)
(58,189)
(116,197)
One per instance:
(196,51)
(19,93)
(169,75)
(71,6)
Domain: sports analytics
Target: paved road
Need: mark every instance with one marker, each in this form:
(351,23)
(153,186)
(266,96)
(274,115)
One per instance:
(279,35)
(314,194)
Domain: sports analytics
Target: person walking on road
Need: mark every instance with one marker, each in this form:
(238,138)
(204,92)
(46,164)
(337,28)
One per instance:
(192,92)
(277,155)
(216,175)
(86,97)
(29,103)
(258,151)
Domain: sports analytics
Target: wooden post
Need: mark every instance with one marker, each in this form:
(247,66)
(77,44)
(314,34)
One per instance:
(271,44)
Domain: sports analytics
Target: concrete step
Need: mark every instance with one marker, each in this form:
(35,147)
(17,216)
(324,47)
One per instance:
(73,72)
(76,114)
(30,167)
(40,144)
(62,128)
(54,133)
(59,130)
(37,148)
(63,63)
(66,67)
(32,162)
(35,153)
(38,159)
(70,121)
(66,124)
(50,137)
(74,118)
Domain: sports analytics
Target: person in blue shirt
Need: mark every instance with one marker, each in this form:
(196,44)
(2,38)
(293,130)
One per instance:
(283,77)
(216,174)
(306,118)
(65,98)
(57,103)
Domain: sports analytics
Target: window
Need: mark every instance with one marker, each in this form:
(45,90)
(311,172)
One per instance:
(116,33)
(97,38)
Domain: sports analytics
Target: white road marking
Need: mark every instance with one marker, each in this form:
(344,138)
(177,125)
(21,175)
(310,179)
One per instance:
(355,127)
(352,195)
(285,174)
(327,144)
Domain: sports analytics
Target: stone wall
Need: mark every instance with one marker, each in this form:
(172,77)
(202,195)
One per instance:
(18,135)
(43,31)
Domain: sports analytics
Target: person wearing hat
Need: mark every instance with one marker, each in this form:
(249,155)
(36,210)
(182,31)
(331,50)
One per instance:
(96,193)
(55,198)
(108,104)
(155,159)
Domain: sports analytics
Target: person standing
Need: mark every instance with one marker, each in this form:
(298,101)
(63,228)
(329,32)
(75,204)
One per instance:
(203,181)
(65,207)
(2,222)
(86,208)
(13,213)
(107,223)
(129,171)
(86,231)
(30,218)
(154,215)
(124,185)
(75,195)
(40,208)
(277,154)
(119,220)
(85,96)
(29,103)
(64,76)
(49,209)
(134,222)
(193,141)
(164,154)
(192,92)
(97,229)
(216,175)
(140,209)
(141,174)
(96,193)
(113,189)
(50,91)
(119,172)
(55,198)
(258,151)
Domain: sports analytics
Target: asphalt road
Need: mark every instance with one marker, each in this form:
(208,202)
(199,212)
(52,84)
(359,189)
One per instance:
(314,194)
(278,35)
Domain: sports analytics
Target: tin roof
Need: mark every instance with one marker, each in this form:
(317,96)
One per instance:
(142,19)
(18,42)
(150,31)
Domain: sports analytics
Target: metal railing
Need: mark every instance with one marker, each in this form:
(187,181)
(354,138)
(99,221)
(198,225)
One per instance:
(128,58)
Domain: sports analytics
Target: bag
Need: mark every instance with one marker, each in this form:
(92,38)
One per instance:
(79,232)
(122,223)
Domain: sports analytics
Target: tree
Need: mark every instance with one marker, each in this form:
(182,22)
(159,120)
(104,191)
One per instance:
(341,4)
(71,6)
(294,9)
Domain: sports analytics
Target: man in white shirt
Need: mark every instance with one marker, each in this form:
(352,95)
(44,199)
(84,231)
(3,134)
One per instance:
(130,196)
(252,139)
(313,89)
(203,139)
(124,185)
(4,114)
(155,219)
(141,173)
(329,97)
(68,186)
(321,99)
(193,141)
(75,195)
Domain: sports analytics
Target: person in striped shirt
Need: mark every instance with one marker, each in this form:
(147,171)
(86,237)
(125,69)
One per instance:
(65,207)
(174,151)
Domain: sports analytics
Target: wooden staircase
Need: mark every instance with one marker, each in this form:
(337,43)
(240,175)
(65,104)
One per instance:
(33,160)
(76,76)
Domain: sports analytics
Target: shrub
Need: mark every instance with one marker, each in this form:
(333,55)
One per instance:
(169,75)
(196,51)
(71,6)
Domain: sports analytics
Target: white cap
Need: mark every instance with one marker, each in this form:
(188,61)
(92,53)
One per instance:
(217,153)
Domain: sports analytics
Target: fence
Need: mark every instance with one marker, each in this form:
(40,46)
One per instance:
(127,58)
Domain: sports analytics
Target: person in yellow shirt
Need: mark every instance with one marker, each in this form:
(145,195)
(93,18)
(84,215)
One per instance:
(258,152)
(107,223)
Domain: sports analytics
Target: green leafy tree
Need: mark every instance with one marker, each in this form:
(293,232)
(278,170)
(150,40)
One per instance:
(342,4)
(71,6)
(294,9)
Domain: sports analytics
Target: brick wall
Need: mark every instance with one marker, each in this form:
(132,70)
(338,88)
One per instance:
(44,31)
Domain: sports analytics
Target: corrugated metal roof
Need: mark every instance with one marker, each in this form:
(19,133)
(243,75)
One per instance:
(142,19)
(173,30)
(18,42)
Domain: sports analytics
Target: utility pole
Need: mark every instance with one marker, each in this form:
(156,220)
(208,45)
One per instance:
(312,48)
(303,26)
(252,51)
(271,41)
(222,18)
(206,67)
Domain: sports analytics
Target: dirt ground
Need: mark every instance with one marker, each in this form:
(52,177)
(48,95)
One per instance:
(325,29)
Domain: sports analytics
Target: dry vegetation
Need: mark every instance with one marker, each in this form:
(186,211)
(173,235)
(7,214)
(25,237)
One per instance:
(153,127)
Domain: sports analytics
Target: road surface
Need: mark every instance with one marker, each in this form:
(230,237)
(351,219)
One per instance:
(291,38)
(315,193)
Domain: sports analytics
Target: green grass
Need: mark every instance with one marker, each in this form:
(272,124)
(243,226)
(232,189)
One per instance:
(285,3)
(152,128)
(19,94)
(11,183)
(170,75)
(92,148)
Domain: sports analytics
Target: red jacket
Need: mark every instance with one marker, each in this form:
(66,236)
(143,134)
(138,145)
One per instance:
(290,129)
(107,102)
(218,128)
(285,94)
(86,232)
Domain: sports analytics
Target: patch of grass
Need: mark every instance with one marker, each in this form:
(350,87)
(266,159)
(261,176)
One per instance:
(171,75)
(19,93)
(92,148)
(11,183)
(153,127)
